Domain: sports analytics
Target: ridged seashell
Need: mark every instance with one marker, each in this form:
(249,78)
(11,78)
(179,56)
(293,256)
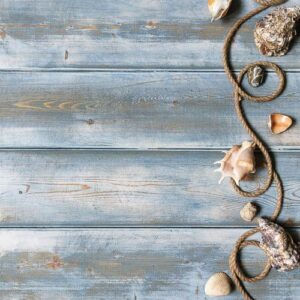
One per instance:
(238,162)
(248,212)
(279,246)
(256,76)
(279,123)
(275,31)
(218,284)
(270,2)
(218,8)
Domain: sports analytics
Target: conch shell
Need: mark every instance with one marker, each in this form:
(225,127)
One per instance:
(282,251)
(279,123)
(218,8)
(238,162)
(274,33)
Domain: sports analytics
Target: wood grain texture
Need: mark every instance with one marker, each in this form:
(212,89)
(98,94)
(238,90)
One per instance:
(129,188)
(112,264)
(123,34)
(135,110)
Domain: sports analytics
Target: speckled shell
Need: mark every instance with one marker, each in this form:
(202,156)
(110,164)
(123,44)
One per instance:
(274,33)
(238,162)
(218,284)
(278,244)
(256,76)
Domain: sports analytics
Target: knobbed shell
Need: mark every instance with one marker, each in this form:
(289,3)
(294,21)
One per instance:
(218,8)
(270,2)
(279,123)
(256,76)
(274,33)
(248,212)
(238,162)
(282,251)
(218,284)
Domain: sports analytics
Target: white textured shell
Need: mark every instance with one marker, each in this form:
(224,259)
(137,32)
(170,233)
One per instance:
(274,33)
(248,212)
(218,284)
(238,162)
(218,8)
(282,251)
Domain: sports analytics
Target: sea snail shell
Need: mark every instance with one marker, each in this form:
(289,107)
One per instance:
(218,8)
(238,162)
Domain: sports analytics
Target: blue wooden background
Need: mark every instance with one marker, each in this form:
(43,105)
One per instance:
(111,116)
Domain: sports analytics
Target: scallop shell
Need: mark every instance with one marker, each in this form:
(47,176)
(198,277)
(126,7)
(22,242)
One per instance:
(256,76)
(218,8)
(274,33)
(238,162)
(248,212)
(270,2)
(282,251)
(279,123)
(218,284)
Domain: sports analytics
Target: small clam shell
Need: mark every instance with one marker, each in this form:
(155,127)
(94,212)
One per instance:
(256,76)
(218,284)
(248,212)
(218,8)
(279,123)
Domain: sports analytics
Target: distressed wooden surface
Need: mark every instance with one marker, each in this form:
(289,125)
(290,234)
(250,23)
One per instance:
(135,110)
(123,34)
(138,75)
(129,188)
(126,264)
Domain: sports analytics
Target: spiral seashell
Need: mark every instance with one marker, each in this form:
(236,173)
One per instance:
(274,33)
(238,162)
(218,8)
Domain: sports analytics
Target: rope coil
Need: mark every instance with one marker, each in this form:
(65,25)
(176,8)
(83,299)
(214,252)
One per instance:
(239,94)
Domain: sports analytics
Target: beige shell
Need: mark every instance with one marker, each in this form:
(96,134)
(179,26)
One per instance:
(274,33)
(248,212)
(270,2)
(238,162)
(218,8)
(218,284)
(279,123)
(282,251)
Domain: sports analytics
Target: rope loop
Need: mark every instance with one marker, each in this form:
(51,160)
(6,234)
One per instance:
(238,274)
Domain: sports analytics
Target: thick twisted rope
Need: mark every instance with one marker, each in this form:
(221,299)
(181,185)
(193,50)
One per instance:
(239,94)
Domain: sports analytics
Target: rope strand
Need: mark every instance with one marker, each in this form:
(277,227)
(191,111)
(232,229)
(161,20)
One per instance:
(239,94)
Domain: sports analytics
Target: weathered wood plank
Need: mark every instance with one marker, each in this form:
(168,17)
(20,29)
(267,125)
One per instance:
(127,264)
(120,188)
(134,110)
(122,34)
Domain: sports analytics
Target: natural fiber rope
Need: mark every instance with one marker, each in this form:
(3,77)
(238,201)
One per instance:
(239,94)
